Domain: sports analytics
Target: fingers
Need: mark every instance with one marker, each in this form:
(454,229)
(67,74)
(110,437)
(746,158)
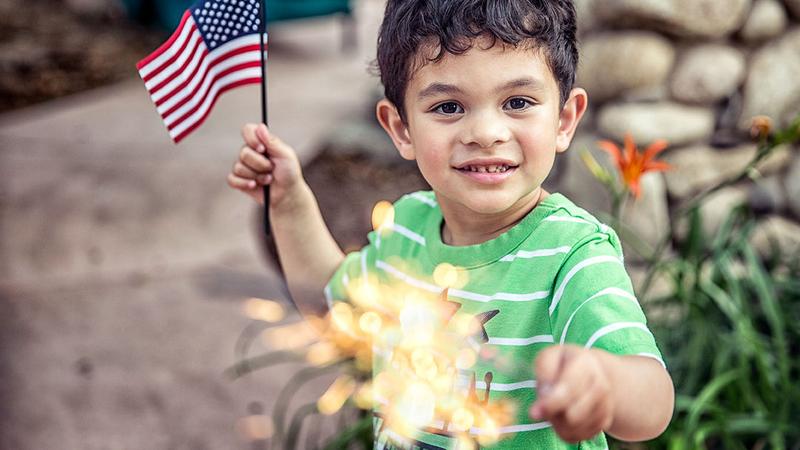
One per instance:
(588,415)
(259,138)
(275,147)
(243,184)
(254,161)
(573,382)
(574,394)
(548,366)
(251,139)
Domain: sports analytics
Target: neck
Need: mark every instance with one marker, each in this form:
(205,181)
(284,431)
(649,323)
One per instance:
(463,228)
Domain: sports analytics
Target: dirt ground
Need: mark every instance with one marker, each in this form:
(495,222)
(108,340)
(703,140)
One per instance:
(49,50)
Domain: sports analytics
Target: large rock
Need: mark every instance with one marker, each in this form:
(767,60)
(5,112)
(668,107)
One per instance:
(612,64)
(577,182)
(647,217)
(586,17)
(683,18)
(776,232)
(717,206)
(678,124)
(708,73)
(767,20)
(768,196)
(773,85)
(792,184)
(794,7)
(698,167)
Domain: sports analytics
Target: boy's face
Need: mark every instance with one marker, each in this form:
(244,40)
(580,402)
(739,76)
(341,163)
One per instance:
(484,127)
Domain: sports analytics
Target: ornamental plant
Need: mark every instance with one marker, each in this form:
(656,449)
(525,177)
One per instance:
(729,323)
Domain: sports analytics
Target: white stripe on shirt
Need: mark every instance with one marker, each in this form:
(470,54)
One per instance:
(606,291)
(520,342)
(608,329)
(526,254)
(422,198)
(577,268)
(458,293)
(418,238)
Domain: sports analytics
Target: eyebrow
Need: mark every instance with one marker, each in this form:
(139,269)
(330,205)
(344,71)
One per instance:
(435,89)
(443,88)
(526,82)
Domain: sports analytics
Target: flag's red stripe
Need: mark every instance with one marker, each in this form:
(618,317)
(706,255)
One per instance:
(204,95)
(174,57)
(165,45)
(216,60)
(175,73)
(222,90)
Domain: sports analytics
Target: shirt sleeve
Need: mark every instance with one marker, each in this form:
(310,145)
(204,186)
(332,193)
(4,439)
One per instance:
(355,267)
(594,305)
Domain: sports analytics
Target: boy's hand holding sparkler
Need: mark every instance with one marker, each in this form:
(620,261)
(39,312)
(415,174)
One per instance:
(582,392)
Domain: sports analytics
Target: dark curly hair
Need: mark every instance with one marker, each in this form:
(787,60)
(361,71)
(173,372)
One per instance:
(452,26)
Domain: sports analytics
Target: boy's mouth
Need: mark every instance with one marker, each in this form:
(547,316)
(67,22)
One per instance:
(500,168)
(487,171)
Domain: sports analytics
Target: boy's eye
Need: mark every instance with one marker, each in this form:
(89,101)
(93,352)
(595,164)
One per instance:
(518,103)
(449,108)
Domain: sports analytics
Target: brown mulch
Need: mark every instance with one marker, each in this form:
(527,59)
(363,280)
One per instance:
(49,50)
(347,186)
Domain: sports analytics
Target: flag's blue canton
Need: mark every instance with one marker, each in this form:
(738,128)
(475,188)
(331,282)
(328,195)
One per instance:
(222,20)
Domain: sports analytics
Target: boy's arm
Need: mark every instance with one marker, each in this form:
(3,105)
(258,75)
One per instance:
(585,391)
(308,253)
(643,394)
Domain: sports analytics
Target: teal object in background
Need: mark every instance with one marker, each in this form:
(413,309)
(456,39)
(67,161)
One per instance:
(167,13)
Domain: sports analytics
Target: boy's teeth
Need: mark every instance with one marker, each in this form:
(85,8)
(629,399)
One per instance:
(489,169)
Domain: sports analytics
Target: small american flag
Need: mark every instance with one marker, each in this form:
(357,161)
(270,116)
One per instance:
(215,48)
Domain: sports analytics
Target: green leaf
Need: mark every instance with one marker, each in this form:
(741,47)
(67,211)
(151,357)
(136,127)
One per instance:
(362,428)
(707,395)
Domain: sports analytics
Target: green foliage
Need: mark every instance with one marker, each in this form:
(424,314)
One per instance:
(729,333)
(729,327)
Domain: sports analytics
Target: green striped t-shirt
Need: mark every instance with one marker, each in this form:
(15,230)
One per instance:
(557,277)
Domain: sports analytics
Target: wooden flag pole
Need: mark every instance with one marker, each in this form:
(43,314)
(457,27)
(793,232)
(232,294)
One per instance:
(262,32)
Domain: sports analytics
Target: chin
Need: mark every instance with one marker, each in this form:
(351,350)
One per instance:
(489,204)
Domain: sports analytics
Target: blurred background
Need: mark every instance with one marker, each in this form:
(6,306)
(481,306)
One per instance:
(126,262)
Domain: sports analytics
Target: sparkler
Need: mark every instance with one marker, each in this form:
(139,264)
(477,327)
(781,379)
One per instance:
(423,347)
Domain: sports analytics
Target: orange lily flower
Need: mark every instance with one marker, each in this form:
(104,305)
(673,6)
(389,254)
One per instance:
(632,163)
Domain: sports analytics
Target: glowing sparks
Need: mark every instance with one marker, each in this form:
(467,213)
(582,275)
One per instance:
(424,364)
(370,322)
(382,216)
(264,310)
(322,353)
(466,358)
(449,276)
(333,399)
(462,419)
(416,404)
(445,275)
(418,324)
(291,336)
(419,344)
(342,316)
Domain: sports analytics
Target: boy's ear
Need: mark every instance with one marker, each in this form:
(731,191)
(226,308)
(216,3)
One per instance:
(390,120)
(570,117)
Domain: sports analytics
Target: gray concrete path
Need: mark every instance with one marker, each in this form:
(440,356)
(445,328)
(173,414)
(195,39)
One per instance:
(124,259)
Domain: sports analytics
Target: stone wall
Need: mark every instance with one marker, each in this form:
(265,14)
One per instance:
(693,72)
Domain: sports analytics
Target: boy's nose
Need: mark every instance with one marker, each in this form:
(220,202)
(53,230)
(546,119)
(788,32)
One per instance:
(486,131)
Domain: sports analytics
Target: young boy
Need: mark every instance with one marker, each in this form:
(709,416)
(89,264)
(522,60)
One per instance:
(479,93)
